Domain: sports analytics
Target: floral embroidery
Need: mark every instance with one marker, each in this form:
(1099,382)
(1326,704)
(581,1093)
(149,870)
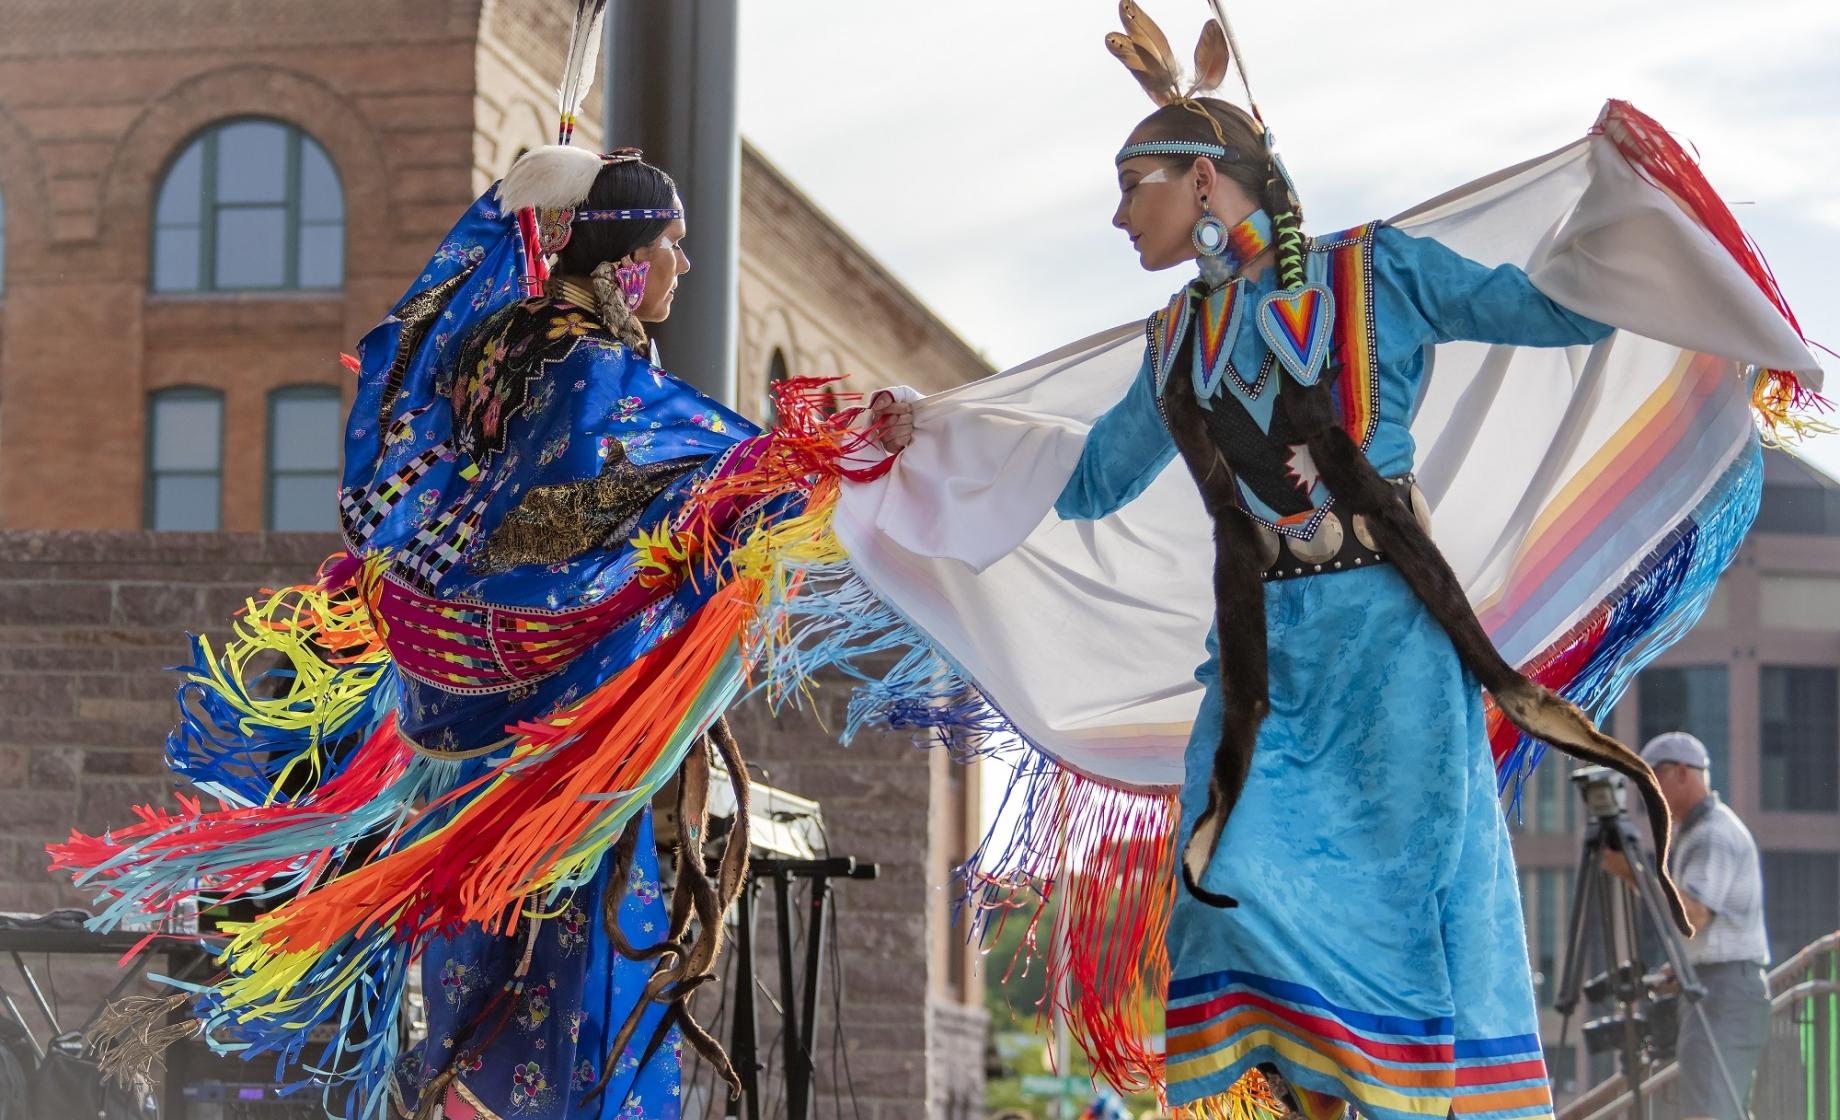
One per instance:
(540,398)
(640,887)
(628,409)
(530,1090)
(576,1018)
(710,421)
(553,450)
(533,1007)
(426,503)
(573,324)
(456,981)
(572,928)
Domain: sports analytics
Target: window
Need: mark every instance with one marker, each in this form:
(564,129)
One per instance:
(1546,902)
(251,205)
(777,371)
(185,458)
(1801,739)
(1801,899)
(305,426)
(1695,699)
(1549,803)
(1801,510)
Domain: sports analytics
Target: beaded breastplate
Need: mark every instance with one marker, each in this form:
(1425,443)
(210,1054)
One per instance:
(1276,482)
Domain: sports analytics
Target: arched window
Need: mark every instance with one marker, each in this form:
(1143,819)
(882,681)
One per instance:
(185,458)
(777,371)
(249,205)
(305,432)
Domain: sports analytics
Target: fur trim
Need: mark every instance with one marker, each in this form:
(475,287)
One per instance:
(552,177)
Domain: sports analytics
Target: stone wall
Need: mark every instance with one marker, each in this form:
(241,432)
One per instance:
(89,621)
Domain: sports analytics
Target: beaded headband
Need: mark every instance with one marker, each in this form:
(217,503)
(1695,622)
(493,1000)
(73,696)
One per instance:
(1221,152)
(669,215)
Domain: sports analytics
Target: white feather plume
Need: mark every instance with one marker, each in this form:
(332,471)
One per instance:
(584,53)
(552,177)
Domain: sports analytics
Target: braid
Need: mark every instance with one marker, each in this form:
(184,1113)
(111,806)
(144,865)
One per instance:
(1286,226)
(612,306)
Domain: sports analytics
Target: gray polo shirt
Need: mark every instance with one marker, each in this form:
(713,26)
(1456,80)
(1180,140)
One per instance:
(1715,860)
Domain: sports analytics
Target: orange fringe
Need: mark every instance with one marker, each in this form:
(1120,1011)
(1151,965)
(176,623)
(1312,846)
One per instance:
(515,832)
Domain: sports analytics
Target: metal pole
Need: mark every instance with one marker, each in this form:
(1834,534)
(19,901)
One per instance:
(670,88)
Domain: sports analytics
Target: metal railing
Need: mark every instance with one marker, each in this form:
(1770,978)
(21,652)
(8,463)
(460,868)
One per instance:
(1799,1075)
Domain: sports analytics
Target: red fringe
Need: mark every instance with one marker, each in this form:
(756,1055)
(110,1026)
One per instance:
(1661,159)
(377,766)
(1110,854)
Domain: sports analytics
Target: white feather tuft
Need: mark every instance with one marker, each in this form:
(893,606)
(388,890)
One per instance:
(552,177)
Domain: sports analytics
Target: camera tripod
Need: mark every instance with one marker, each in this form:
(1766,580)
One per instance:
(1593,897)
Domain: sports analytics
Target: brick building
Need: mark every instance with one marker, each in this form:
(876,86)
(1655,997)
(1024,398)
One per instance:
(1758,680)
(202,203)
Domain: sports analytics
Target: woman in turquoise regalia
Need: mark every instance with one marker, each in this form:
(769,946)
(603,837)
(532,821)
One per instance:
(1376,953)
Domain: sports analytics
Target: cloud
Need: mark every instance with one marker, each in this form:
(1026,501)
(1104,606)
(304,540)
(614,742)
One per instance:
(968,143)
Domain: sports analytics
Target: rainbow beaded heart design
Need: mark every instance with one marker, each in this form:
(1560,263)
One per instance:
(1295,323)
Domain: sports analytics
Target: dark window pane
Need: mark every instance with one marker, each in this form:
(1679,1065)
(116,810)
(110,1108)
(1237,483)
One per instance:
(1695,699)
(186,433)
(182,194)
(1804,510)
(252,247)
(252,162)
(307,431)
(1801,899)
(1801,739)
(321,198)
(305,503)
(175,260)
(185,502)
(322,256)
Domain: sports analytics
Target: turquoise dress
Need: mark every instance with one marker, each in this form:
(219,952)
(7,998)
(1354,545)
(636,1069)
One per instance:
(1377,954)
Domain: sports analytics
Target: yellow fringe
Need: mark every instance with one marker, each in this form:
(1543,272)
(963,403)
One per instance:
(1783,409)
(1250,1098)
(320,635)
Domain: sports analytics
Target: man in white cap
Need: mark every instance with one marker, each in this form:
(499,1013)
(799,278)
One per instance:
(1715,864)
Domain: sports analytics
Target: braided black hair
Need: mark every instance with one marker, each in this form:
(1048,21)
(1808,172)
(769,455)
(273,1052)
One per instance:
(632,185)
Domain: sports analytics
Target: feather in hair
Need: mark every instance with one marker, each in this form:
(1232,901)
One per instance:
(578,70)
(1211,57)
(1156,80)
(553,177)
(1238,57)
(1152,44)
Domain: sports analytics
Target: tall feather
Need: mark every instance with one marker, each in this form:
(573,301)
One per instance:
(1156,79)
(578,70)
(1211,57)
(1238,56)
(1152,44)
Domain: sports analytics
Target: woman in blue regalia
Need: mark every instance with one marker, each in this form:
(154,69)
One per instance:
(538,623)
(582,440)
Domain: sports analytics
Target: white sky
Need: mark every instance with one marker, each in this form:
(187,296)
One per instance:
(968,143)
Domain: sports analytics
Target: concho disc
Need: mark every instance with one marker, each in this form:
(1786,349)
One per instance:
(1421,509)
(1270,544)
(1363,532)
(1321,548)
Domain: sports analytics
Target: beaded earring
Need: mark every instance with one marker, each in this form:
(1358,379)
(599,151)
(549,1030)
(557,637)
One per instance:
(1210,240)
(631,278)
